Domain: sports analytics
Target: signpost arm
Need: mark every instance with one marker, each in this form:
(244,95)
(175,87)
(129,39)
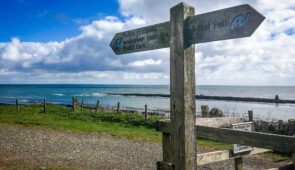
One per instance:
(182,90)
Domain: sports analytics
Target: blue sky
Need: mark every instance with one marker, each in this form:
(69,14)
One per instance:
(68,42)
(50,20)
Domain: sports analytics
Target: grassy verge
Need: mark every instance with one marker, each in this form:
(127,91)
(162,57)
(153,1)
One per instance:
(63,119)
(124,125)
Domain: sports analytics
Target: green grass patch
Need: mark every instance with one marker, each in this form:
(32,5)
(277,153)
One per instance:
(279,156)
(123,125)
(63,119)
(126,125)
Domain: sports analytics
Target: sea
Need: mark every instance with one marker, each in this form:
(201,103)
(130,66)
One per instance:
(63,93)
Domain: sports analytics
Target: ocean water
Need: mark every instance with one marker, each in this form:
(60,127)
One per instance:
(62,94)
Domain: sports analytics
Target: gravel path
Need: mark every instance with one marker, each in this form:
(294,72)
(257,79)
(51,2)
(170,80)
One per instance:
(23,148)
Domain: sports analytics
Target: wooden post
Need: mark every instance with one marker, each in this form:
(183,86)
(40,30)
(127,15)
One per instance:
(82,103)
(166,144)
(250,115)
(182,90)
(118,107)
(74,104)
(44,102)
(293,160)
(17,105)
(205,110)
(239,163)
(145,113)
(97,104)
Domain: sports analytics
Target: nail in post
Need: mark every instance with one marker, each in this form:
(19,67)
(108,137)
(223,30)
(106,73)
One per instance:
(145,112)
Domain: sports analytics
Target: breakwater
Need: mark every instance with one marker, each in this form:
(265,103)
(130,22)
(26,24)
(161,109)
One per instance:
(226,98)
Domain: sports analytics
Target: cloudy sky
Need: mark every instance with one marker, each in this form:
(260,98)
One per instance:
(68,42)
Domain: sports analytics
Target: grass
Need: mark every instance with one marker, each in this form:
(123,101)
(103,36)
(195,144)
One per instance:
(279,156)
(123,125)
(63,119)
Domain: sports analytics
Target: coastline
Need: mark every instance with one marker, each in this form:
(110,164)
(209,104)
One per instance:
(224,98)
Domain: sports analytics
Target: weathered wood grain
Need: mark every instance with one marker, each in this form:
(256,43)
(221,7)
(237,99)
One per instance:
(205,110)
(235,22)
(256,139)
(166,144)
(217,156)
(218,121)
(250,115)
(142,39)
(239,163)
(182,91)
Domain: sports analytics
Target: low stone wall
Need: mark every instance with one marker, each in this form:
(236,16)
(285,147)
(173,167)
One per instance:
(279,127)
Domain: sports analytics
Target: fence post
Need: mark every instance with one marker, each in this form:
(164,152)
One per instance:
(205,110)
(250,115)
(239,163)
(118,107)
(17,105)
(146,114)
(82,103)
(97,104)
(74,104)
(44,102)
(293,160)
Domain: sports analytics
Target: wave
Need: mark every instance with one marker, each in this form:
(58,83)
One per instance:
(58,94)
(91,94)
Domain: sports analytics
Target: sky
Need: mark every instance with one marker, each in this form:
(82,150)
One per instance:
(67,42)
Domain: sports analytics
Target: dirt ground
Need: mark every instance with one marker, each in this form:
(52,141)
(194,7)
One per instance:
(24,148)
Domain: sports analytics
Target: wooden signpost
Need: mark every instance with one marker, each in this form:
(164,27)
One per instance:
(180,34)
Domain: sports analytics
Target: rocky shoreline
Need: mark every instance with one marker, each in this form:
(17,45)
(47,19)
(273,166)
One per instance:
(226,98)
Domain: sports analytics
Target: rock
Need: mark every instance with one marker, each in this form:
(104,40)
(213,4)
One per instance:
(215,112)
(277,99)
(281,127)
(264,127)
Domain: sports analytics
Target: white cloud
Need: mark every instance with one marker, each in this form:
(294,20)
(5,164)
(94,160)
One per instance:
(144,63)
(267,57)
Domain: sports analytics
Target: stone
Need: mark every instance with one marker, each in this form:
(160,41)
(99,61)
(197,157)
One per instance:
(277,99)
(215,112)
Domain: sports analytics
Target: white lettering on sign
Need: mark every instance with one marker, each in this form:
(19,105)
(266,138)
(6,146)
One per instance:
(244,127)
